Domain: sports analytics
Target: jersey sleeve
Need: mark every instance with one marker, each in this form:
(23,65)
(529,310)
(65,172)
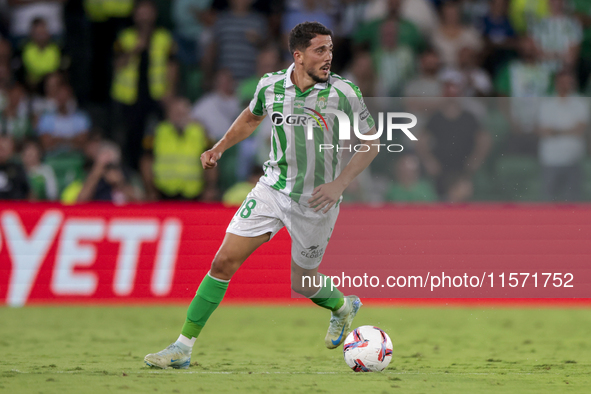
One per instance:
(257,104)
(357,105)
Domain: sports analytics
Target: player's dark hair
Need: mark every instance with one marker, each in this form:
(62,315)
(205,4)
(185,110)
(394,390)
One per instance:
(301,35)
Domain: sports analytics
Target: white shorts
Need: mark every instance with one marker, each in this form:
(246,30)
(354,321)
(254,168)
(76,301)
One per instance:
(266,210)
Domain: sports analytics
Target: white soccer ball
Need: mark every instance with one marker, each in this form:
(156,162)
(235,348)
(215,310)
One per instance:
(367,349)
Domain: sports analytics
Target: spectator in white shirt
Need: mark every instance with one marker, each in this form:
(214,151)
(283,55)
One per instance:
(562,122)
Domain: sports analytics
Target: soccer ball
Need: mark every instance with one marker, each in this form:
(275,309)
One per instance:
(367,349)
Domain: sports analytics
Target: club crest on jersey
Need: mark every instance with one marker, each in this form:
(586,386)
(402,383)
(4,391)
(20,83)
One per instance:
(321,103)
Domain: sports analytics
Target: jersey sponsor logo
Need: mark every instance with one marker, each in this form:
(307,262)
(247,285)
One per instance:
(278,97)
(279,119)
(313,252)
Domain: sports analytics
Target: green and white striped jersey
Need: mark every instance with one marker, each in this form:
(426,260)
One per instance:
(296,164)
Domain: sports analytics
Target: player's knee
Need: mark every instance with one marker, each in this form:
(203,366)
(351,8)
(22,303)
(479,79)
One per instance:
(224,266)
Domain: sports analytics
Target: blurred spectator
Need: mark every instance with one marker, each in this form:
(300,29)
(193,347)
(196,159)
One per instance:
(422,13)
(361,73)
(351,15)
(41,56)
(499,35)
(171,167)
(107,180)
(524,13)
(5,52)
(23,12)
(307,10)
(66,129)
(107,18)
(5,83)
(453,147)
(46,103)
(424,91)
(408,34)
(477,82)
(582,11)
(394,63)
(192,19)
(145,73)
(41,176)
(525,76)
(452,35)
(473,11)
(268,61)
(238,34)
(14,119)
(14,184)
(236,195)
(408,185)
(495,25)
(218,110)
(525,80)
(563,121)
(558,37)
(427,83)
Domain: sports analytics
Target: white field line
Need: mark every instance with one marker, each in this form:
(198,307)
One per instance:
(281,372)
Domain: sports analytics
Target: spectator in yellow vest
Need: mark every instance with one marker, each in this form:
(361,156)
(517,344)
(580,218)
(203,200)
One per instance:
(107,18)
(145,75)
(171,165)
(41,56)
(523,13)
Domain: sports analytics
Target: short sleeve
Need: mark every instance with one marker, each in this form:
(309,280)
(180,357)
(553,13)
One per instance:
(355,104)
(257,104)
(366,122)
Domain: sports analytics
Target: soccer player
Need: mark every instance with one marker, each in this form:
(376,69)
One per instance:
(301,188)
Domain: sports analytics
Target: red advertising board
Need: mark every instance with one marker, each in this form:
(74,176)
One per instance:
(101,253)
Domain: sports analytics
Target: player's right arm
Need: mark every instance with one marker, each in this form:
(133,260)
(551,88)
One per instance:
(243,126)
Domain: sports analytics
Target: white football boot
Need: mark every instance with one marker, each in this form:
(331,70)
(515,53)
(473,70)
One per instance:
(340,323)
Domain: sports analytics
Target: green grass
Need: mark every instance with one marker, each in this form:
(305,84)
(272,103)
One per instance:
(281,349)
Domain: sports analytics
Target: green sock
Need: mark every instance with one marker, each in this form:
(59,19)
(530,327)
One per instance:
(209,295)
(327,298)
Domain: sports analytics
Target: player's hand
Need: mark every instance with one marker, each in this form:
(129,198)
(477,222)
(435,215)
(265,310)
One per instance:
(209,159)
(325,196)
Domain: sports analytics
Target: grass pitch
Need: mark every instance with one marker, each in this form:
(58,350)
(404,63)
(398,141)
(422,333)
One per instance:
(250,349)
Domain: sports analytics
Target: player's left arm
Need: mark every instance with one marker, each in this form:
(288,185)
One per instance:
(327,195)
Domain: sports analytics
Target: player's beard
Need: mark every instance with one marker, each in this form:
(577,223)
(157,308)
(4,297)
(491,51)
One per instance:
(316,78)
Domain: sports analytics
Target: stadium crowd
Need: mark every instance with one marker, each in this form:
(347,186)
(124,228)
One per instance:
(115,100)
